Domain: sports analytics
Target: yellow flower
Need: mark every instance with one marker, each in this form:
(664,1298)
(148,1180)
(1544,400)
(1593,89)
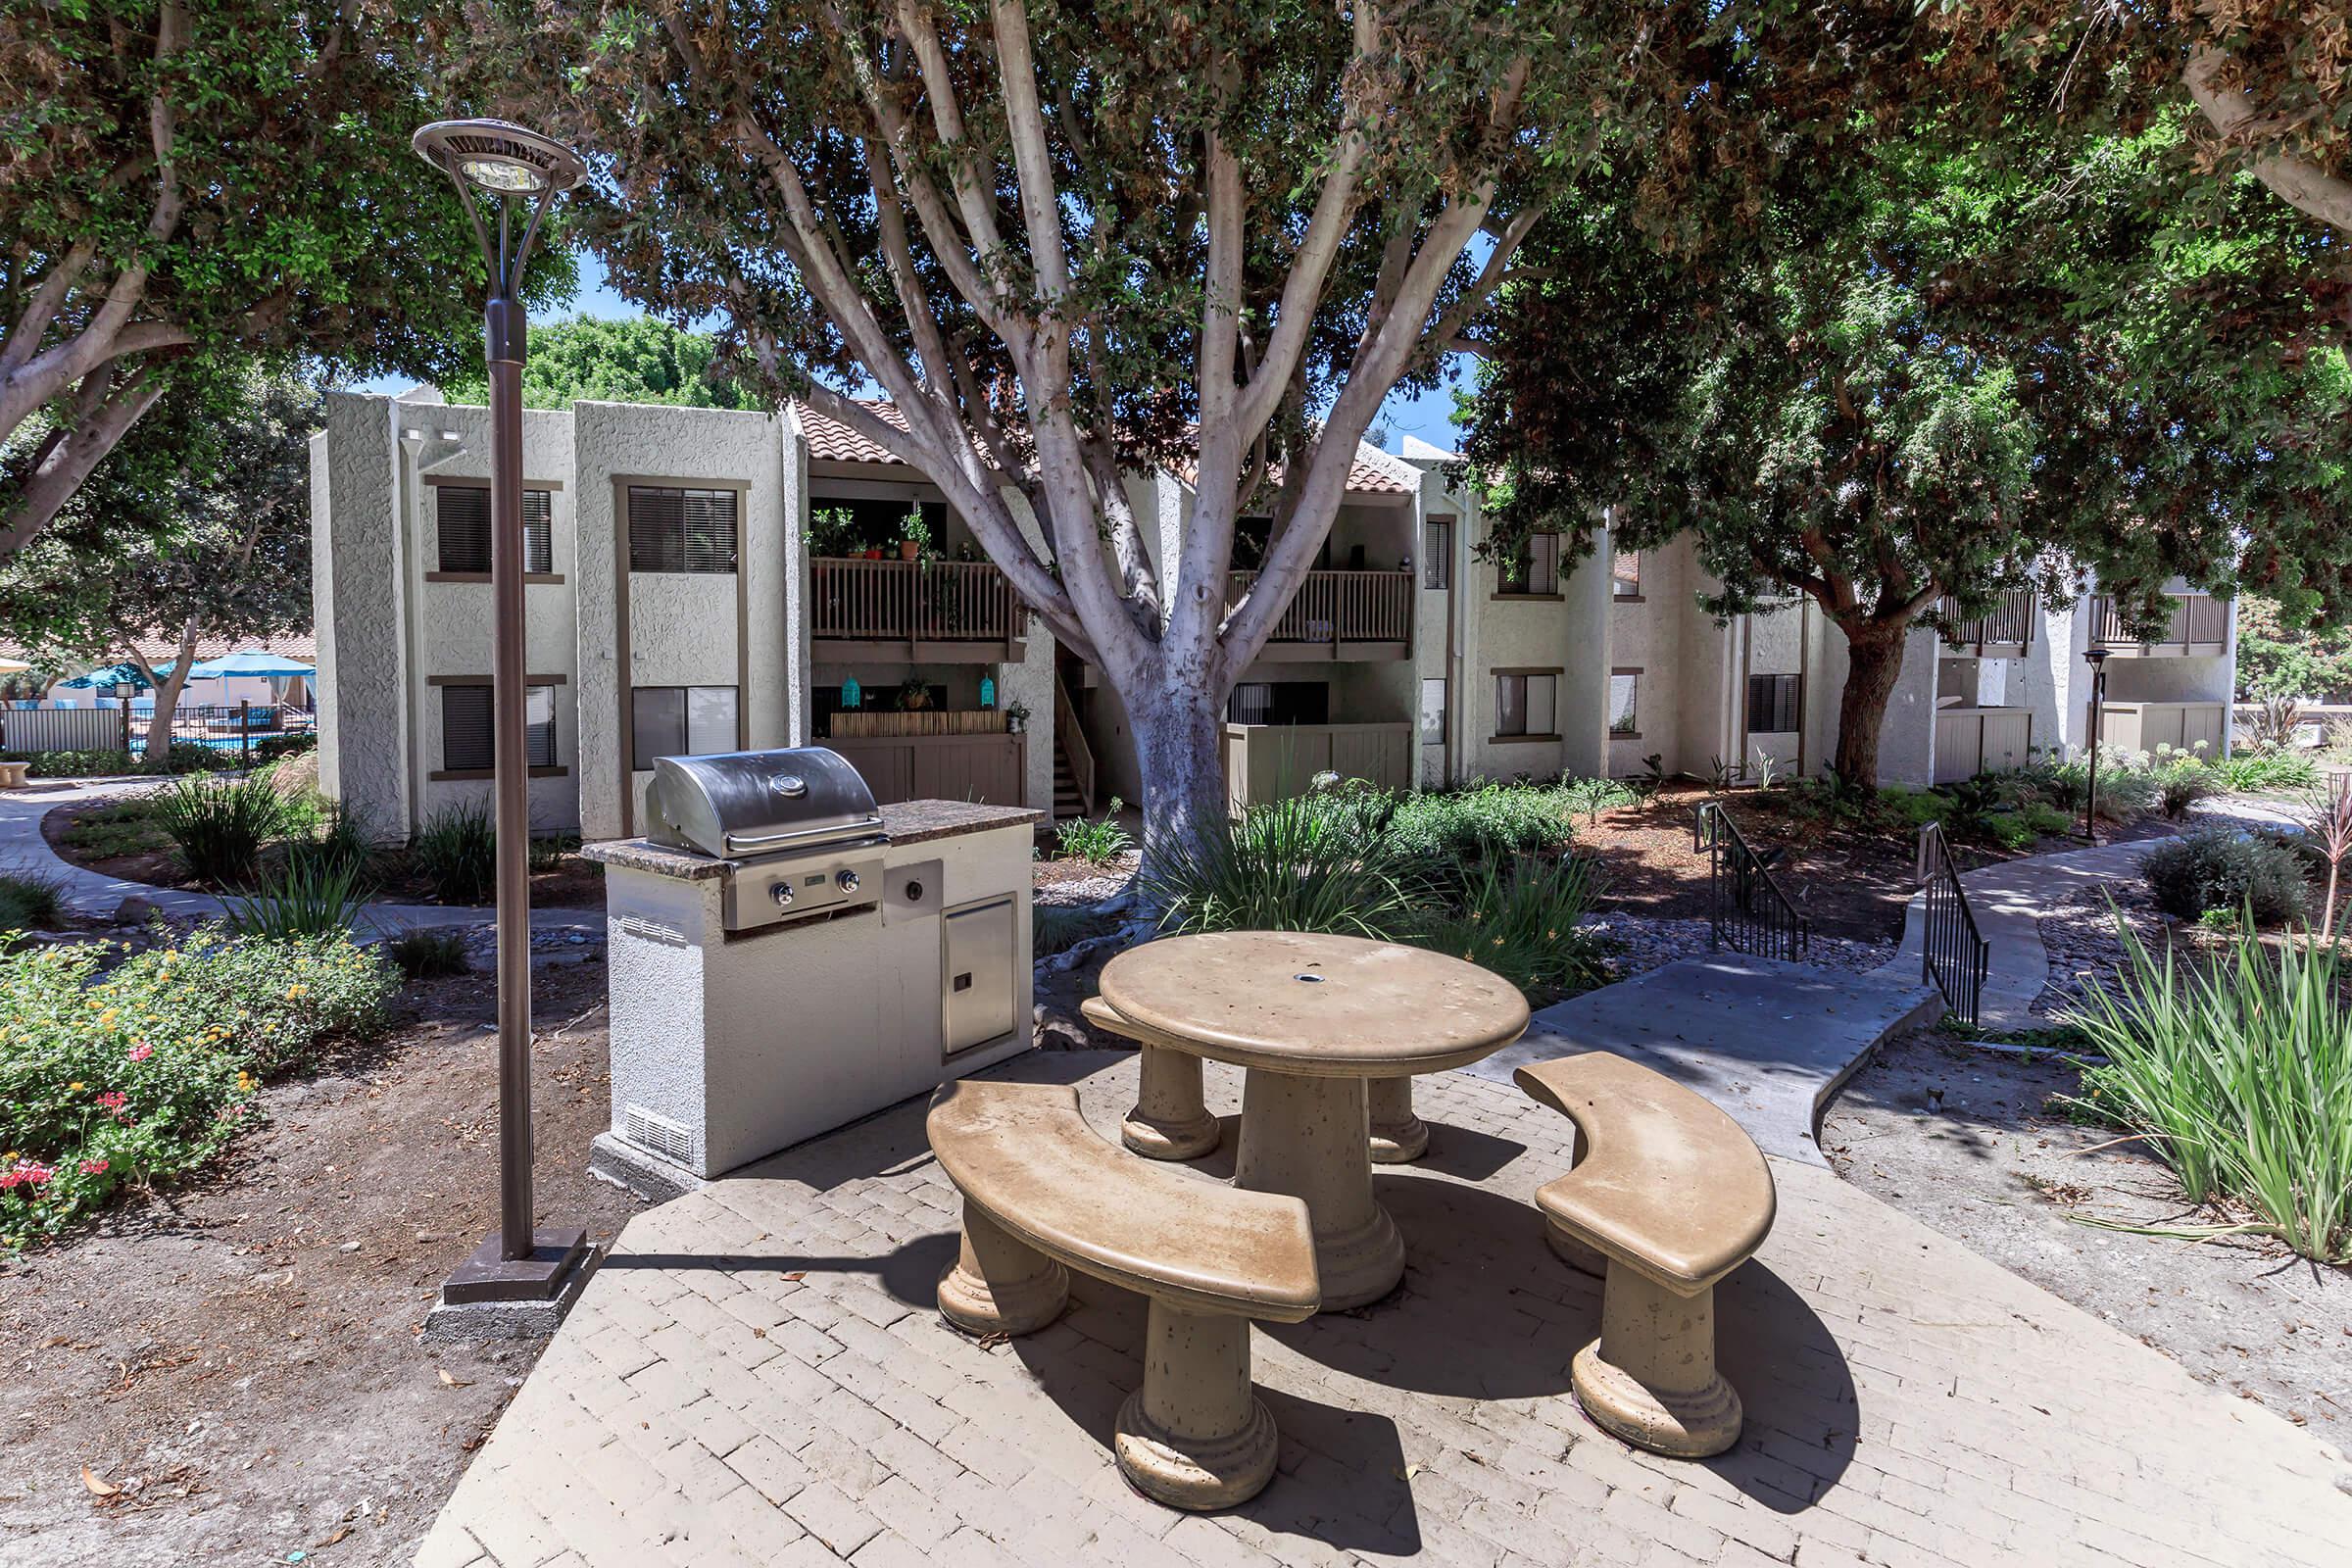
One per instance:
(296,990)
(73,1089)
(106,1018)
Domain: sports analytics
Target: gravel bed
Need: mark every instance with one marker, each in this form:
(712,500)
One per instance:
(1652,943)
(2083,948)
(1060,888)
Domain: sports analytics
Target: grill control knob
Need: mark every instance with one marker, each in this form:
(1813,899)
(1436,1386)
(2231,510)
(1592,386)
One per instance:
(847,881)
(782,892)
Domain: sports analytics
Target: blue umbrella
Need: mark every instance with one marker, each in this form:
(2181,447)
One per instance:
(114,675)
(249,663)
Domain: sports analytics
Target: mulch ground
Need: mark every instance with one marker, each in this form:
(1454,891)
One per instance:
(1848,882)
(239,1359)
(572,882)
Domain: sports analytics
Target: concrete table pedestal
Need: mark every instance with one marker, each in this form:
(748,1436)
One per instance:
(1651,1377)
(1195,1436)
(1329,1031)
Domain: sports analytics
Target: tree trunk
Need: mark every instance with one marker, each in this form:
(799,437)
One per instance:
(167,693)
(1178,749)
(1874,659)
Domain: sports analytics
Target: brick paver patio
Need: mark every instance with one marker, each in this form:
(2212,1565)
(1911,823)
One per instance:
(757,1376)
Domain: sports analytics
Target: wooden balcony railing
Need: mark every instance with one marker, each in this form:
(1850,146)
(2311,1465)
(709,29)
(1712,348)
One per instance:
(2009,624)
(2199,622)
(1342,607)
(909,600)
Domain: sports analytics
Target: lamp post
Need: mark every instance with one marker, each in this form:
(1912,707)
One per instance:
(518,174)
(2096,658)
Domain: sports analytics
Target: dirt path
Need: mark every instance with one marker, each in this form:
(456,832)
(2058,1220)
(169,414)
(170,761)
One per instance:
(242,1360)
(1967,1142)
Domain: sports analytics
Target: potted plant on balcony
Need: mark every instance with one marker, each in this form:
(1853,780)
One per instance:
(914,695)
(914,537)
(832,533)
(1016,717)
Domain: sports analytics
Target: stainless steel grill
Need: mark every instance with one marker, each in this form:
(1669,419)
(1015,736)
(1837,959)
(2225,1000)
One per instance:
(798,828)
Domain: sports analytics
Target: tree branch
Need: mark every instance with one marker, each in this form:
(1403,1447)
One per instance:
(2300,183)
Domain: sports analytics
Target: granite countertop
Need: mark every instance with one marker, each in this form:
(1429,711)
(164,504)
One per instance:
(906,822)
(914,821)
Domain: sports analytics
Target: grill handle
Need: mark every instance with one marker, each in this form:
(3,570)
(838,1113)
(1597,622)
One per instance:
(754,843)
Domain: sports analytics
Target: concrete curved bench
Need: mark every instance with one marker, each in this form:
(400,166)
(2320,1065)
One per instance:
(1672,1194)
(1043,1194)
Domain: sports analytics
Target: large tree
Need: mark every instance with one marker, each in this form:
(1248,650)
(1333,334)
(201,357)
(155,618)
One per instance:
(178,181)
(1076,242)
(633,360)
(196,527)
(1946,365)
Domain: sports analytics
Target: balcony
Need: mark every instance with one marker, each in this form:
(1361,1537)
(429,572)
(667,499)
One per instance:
(1976,740)
(920,611)
(2005,633)
(2200,626)
(1341,614)
(935,756)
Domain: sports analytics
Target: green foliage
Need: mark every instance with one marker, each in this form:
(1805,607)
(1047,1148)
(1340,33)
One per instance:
(1096,841)
(183,758)
(456,851)
(218,825)
(1594,796)
(310,896)
(549,850)
(636,359)
(2253,769)
(2219,868)
(122,1080)
(31,901)
(126,827)
(1482,822)
(1521,922)
(2277,657)
(2239,1079)
(427,953)
(1299,864)
(275,748)
(1057,927)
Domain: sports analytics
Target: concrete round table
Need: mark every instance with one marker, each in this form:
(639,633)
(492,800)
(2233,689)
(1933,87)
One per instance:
(1313,1019)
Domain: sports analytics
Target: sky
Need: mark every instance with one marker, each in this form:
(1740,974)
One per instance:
(1428,416)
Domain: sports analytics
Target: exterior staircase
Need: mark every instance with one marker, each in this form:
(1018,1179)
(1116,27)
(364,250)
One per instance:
(1066,801)
(1074,759)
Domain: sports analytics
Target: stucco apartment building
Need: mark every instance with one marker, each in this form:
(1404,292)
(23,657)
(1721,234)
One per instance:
(707,579)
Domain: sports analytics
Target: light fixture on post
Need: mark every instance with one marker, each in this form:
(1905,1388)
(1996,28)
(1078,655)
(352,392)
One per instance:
(2095,657)
(522,1278)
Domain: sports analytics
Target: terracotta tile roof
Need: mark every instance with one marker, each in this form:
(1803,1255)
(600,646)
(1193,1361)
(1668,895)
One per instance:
(1374,472)
(155,647)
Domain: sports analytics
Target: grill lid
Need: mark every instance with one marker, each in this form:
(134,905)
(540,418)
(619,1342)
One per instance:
(735,803)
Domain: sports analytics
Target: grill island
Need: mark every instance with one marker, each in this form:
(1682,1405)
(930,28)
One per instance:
(786,957)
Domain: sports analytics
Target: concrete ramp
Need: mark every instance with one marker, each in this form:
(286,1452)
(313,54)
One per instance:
(1767,1041)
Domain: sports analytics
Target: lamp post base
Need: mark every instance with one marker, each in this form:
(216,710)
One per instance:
(490,1296)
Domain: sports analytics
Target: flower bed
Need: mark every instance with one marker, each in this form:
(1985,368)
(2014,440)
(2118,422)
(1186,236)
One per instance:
(113,1080)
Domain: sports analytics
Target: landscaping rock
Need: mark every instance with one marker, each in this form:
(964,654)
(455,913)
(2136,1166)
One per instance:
(136,910)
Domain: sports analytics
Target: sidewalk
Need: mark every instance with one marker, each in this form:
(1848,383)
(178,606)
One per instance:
(93,895)
(758,1375)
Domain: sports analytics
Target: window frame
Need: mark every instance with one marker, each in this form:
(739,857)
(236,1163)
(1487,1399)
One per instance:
(1793,703)
(1533,566)
(687,492)
(1631,731)
(1527,705)
(1625,589)
(1436,547)
(553,767)
(1444,712)
(637,723)
(543,572)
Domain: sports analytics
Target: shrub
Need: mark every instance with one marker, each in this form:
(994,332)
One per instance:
(269,748)
(548,849)
(126,1079)
(2181,781)
(1594,796)
(219,825)
(2278,770)
(1059,927)
(1096,842)
(31,901)
(428,955)
(455,852)
(2221,870)
(1296,864)
(312,896)
(73,764)
(2239,1079)
(1484,822)
(344,843)
(1522,924)
(188,757)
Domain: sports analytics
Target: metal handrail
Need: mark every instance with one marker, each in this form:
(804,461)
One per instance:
(1954,956)
(1747,910)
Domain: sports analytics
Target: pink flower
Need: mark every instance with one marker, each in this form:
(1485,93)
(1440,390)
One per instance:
(24,1173)
(93,1167)
(140,1053)
(114,1100)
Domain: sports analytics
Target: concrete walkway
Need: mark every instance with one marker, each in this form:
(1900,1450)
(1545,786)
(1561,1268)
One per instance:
(96,896)
(1769,1042)
(758,1375)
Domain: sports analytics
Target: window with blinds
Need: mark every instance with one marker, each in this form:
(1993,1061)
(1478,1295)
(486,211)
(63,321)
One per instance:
(468,730)
(676,530)
(463,514)
(1437,552)
(1772,705)
(680,721)
(1527,704)
(1535,568)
